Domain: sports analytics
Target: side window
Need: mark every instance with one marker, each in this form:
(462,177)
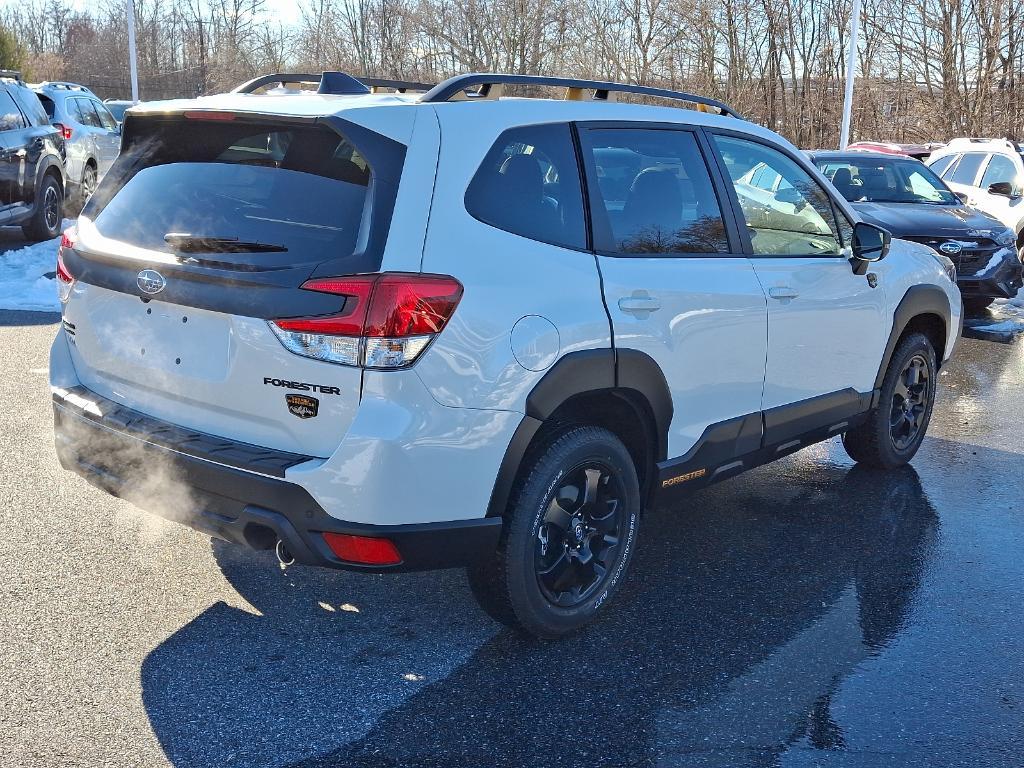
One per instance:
(796,219)
(30,105)
(529,184)
(106,119)
(88,113)
(1000,168)
(940,165)
(662,200)
(966,170)
(10,116)
(947,175)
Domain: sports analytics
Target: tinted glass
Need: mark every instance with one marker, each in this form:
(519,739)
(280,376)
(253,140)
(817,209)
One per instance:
(10,115)
(940,165)
(106,119)
(30,105)
(1000,168)
(966,170)
(795,217)
(529,184)
(656,192)
(303,189)
(48,105)
(885,180)
(87,114)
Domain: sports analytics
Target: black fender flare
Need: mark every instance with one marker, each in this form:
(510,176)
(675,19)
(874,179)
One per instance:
(577,373)
(918,300)
(46,162)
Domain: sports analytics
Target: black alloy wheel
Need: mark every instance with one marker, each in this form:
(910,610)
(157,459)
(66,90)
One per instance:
(578,541)
(909,403)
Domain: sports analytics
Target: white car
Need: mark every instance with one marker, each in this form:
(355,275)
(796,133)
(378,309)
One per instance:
(989,175)
(408,331)
(92,137)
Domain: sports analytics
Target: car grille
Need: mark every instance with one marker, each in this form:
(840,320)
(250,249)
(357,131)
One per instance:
(976,253)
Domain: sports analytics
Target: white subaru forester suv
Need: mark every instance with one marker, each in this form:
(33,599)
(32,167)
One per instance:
(390,331)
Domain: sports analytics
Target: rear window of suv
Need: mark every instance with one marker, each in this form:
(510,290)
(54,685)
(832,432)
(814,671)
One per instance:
(290,189)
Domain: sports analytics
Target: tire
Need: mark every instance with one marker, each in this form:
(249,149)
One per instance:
(556,565)
(45,222)
(88,185)
(976,305)
(896,427)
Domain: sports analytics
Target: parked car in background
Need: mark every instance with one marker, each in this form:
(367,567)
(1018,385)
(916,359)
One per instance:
(917,151)
(118,107)
(91,134)
(989,175)
(31,162)
(905,197)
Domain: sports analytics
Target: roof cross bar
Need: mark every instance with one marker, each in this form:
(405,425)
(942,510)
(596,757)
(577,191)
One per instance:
(479,85)
(398,85)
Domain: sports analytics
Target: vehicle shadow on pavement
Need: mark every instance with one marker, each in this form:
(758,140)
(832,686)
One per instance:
(740,619)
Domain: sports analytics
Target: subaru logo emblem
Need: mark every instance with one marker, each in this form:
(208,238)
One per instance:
(150,281)
(950,248)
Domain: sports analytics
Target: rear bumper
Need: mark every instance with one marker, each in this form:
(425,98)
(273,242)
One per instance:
(1001,282)
(157,468)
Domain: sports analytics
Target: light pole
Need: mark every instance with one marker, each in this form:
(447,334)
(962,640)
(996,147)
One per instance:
(133,68)
(851,63)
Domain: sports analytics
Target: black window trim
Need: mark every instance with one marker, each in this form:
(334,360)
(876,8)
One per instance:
(810,168)
(600,228)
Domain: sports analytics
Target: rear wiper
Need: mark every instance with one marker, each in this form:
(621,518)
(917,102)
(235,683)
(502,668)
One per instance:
(187,243)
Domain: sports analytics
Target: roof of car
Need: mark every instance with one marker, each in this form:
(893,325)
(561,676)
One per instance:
(839,154)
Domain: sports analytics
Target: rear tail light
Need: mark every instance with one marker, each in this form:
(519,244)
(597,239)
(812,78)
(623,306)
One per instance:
(387,321)
(65,130)
(65,280)
(367,550)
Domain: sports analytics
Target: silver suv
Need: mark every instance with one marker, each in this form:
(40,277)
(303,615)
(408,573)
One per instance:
(91,134)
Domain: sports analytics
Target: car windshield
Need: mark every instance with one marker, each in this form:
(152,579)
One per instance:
(886,180)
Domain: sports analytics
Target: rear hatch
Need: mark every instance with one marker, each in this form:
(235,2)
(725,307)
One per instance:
(205,228)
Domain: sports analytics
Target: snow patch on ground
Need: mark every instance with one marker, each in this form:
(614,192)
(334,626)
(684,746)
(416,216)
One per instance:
(23,276)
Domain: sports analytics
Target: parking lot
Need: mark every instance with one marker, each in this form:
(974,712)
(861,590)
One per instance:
(809,613)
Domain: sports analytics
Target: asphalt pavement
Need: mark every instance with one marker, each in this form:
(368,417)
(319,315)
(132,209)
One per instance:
(808,613)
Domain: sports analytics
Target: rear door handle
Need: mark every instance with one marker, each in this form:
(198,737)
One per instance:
(782,292)
(640,303)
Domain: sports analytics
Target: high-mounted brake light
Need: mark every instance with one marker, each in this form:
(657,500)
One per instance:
(367,550)
(202,114)
(386,322)
(65,130)
(65,280)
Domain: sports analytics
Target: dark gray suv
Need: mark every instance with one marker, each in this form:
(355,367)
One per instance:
(31,162)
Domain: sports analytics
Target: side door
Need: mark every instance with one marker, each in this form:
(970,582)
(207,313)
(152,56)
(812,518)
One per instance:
(676,282)
(13,151)
(827,327)
(108,139)
(1008,205)
(89,129)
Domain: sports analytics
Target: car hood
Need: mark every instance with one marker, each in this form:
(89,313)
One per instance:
(924,220)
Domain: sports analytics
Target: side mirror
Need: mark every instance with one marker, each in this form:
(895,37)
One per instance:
(870,243)
(961,196)
(1004,189)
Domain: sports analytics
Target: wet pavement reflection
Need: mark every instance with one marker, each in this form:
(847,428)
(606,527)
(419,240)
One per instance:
(808,613)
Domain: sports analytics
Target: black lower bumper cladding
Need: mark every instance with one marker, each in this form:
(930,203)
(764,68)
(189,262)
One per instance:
(1003,283)
(234,491)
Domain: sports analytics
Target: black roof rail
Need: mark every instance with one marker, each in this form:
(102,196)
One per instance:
(479,85)
(11,73)
(331,82)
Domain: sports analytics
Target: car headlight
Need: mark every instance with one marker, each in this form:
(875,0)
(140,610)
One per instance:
(946,263)
(1006,237)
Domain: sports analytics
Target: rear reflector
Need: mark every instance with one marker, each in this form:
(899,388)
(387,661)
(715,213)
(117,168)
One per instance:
(387,320)
(366,550)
